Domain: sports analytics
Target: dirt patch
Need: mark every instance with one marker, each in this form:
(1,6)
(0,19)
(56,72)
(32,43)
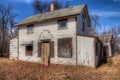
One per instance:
(19,70)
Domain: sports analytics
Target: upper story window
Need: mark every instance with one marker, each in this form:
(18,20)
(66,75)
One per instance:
(62,24)
(83,23)
(30,29)
(83,18)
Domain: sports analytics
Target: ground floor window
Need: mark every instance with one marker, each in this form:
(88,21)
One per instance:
(29,50)
(65,47)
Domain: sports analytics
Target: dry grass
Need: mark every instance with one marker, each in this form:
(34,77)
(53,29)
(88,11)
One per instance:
(18,70)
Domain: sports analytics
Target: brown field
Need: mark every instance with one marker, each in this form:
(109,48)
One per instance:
(19,70)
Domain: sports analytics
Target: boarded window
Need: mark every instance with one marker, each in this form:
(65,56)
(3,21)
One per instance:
(65,47)
(29,50)
(51,49)
(39,49)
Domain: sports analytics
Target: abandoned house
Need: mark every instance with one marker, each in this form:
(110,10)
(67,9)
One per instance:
(108,41)
(57,37)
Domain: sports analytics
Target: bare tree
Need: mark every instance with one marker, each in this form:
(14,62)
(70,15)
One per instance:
(40,6)
(115,31)
(44,6)
(95,23)
(6,27)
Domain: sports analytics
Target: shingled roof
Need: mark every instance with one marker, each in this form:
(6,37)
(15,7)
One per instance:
(53,14)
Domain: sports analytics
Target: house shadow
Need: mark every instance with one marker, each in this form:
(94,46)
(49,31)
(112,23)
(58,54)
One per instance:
(104,55)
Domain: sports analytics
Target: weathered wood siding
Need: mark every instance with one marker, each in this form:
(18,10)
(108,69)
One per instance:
(86,51)
(48,30)
(79,24)
(14,48)
(109,52)
(98,53)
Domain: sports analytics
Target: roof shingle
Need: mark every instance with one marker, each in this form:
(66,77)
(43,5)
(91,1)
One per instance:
(53,14)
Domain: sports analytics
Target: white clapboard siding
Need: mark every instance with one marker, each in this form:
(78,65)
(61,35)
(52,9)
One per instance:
(14,48)
(45,31)
(80,25)
(85,51)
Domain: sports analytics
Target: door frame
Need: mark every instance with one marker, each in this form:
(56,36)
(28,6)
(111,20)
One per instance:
(46,41)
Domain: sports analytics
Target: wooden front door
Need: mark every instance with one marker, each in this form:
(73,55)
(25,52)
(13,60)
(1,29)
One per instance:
(45,52)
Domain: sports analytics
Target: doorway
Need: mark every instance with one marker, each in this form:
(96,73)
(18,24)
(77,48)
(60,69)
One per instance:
(45,52)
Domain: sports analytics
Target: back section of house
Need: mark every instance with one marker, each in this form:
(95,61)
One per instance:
(88,51)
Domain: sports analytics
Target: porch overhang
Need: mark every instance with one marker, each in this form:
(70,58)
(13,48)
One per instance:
(27,43)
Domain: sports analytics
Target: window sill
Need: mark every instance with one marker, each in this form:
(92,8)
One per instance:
(30,32)
(63,57)
(28,55)
(62,28)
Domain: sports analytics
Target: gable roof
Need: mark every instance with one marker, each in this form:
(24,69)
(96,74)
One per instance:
(106,37)
(53,14)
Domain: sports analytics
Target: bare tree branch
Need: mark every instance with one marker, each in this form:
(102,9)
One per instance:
(7,29)
(44,6)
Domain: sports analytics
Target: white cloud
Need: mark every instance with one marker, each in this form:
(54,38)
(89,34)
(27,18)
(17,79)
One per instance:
(26,1)
(116,0)
(106,13)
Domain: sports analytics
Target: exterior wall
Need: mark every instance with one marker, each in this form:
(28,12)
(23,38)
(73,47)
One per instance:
(98,53)
(86,51)
(14,48)
(112,44)
(48,30)
(79,25)
(109,49)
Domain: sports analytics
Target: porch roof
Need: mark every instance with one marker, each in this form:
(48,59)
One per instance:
(27,43)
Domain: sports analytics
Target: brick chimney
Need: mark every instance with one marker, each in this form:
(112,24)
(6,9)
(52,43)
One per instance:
(52,7)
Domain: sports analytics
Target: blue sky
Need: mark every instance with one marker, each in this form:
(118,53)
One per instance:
(108,10)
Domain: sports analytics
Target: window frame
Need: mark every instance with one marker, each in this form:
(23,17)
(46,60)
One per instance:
(83,22)
(32,26)
(61,28)
(26,50)
(83,26)
(71,51)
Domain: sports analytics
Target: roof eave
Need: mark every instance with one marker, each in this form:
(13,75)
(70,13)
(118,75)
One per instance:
(35,22)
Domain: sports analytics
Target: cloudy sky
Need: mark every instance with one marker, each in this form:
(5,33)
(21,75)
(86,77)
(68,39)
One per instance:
(108,10)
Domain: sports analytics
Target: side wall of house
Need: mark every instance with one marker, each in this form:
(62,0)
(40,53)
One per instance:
(14,48)
(46,31)
(80,24)
(86,51)
(98,53)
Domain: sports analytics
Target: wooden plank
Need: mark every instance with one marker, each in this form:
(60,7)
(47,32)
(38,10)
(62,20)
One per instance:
(51,49)
(39,49)
(65,48)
